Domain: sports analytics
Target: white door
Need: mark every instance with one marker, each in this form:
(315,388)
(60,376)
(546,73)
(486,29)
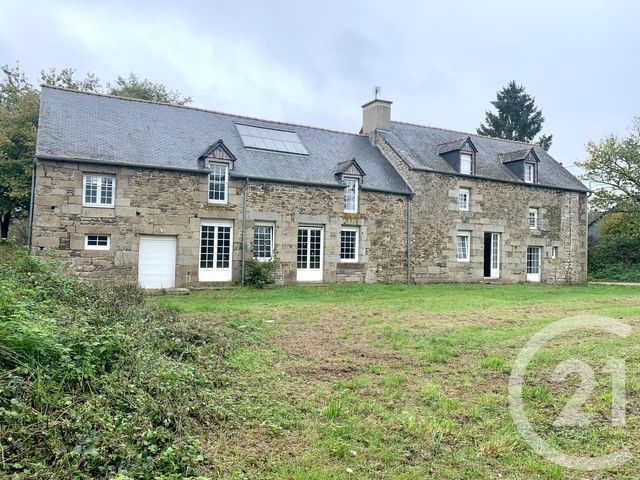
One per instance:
(533,264)
(495,255)
(215,251)
(157,262)
(310,254)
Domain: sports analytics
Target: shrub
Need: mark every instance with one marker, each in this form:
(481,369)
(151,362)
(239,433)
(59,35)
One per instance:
(261,273)
(95,382)
(614,258)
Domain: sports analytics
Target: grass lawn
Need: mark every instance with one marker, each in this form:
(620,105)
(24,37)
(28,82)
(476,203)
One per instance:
(391,381)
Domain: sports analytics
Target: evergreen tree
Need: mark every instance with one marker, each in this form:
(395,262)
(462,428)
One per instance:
(517,117)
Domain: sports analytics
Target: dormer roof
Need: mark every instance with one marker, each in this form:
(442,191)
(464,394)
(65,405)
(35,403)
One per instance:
(463,143)
(350,168)
(527,154)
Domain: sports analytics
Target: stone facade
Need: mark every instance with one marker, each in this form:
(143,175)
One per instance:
(496,207)
(174,203)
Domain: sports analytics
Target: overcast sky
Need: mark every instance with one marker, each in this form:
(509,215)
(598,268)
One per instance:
(316,63)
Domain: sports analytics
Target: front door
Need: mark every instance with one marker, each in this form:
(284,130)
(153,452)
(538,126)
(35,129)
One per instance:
(533,264)
(491,255)
(215,251)
(309,254)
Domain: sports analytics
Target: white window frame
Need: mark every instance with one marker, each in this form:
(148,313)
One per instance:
(357,245)
(529,172)
(494,260)
(226,183)
(467,252)
(272,226)
(97,247)
(356,192)
(554,253)
(470,157)
(466,205)
(215,273)
(99,186)
(533,214)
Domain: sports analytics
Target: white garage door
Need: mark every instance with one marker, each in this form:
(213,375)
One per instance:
(157,262)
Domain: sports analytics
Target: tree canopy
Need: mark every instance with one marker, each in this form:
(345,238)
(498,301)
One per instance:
(614,166)
(134,87)
(516,117)
(19,107)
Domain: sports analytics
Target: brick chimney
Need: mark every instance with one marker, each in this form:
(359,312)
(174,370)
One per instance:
(376,114)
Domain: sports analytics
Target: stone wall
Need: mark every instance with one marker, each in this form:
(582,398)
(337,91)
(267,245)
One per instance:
(160,202)
(496,207)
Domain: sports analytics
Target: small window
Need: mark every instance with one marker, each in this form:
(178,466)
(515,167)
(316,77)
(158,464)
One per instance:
(463,244)
(464,196)
(218,183)
(97,242)
(98,190)
(263,242)
(554,252)
(349,245)
(351,195)
(529,173)
(466,163)
(533,218)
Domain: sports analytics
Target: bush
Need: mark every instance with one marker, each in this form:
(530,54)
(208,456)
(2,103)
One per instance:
(613,258)
(261,273)
(96,383)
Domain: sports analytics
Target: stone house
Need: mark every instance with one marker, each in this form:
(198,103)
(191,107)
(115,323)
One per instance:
(172,196)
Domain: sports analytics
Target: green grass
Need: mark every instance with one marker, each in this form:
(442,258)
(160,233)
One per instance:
(396,381)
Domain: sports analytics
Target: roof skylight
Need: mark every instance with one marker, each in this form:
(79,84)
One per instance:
(270,139)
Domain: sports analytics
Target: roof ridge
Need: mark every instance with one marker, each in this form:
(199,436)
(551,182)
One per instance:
(199,109)
(463,133)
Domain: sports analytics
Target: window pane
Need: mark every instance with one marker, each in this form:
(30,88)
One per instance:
(462,247)
(533,260)
(106,190)
(463,199)
(207,242)
(223,247)
(314,248)
(303,237)
(533,217)
(465,163)
(91,189)
(529,170)
(351,195)
(262,241)
(218,182)
(348,245)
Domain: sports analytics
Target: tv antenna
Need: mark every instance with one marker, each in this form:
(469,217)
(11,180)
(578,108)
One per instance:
(376,91)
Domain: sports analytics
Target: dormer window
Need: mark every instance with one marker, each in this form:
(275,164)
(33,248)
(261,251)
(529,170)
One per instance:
(459,154)
(523,164)
(351,175)
(466,163)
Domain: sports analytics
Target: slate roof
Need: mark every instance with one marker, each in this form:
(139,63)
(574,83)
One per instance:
(100,128)
(418,146)
(84,126)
